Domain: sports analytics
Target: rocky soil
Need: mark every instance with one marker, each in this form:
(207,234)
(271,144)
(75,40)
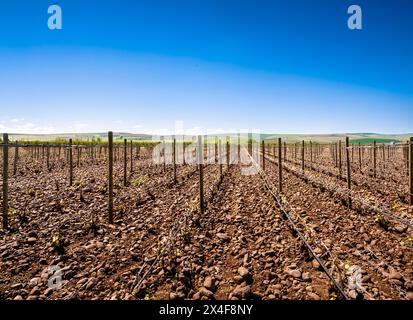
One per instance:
(161,247)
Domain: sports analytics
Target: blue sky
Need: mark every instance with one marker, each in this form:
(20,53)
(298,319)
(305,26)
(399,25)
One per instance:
(224,65)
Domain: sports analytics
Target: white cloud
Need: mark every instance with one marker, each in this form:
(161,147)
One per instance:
(17,125)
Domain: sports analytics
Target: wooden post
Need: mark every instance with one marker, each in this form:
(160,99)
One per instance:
(360,159)
(16,158)
(201,174)
(348,169)
(110,176)
(302,157)
(228,152)
(125,154)
(131,157)
(263,154)
(5,180)
(411,170)
(220,159)
(280,168)
(285,151)
(339,160)
(406,154)
(70,163)
(311,154)
(239,148)
(174,157)
(374,158)
(216,149)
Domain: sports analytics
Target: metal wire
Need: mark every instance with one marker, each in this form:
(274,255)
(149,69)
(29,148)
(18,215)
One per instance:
(271,188)
(347,194)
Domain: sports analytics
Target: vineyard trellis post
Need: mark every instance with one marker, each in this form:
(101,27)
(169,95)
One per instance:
(311,154)
(5,180)
(348,169)
(339,160)
(70,163)
(406,155)
(216,150)
(110,176)
(174,157)
(302,157)
(131,157)
(263,154)
(220,159)
(239,147)
(411,170)
(374,158)
(228,155)
(201,174)
(125,154)
(280,168)
(164,154)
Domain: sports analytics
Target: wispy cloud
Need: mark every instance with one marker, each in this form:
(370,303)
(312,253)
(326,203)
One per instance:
(19,125)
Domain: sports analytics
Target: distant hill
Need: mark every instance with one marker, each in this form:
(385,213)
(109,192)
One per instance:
(80,136)
(354,137)
(321,138)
